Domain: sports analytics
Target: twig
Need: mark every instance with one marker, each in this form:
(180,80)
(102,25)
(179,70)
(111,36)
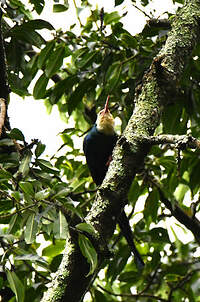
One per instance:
(181,283)
(79,20)
(2,113)
(150,281)
(134,296)
(17,211)
(141,11)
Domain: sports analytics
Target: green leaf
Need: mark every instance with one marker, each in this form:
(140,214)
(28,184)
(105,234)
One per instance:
(180,192)
(45,53)
(31,229)
(12,223)
(79,92)
(63,86)
(16,134)
(159,235)
(172,278)
(38,4)
(16,285)
(86,59)
(88,252)
(111,18)
(32,258)
(26,35)
(113,75)
(39,149)
(16,195)
(25,163)
(26,187)
(39,90)
(55,61)
(54,249)
(46,166)
(129,40)
(151,207)
(37,24)
(118,2)
(4,174)
(42,194)
(59,8)
(86,228)
(60,228)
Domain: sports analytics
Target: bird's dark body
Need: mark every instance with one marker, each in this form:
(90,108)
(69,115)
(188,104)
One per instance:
(98,149)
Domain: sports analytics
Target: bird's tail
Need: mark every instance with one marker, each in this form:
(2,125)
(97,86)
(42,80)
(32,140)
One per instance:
(127,233)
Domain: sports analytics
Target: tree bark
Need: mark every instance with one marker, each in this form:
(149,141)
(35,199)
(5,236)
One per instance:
(157,87)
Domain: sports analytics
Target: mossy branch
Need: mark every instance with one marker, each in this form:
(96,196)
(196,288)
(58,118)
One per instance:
(130,151)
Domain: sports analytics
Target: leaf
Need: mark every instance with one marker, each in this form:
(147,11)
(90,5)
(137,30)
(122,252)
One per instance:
(86,59)
(118,2)
(39,90)
(26,35)
(16,285)
(26,187)
(12,223)
(159,235)
(79,92)
(55,61)
(25,163)
(113,75)
(129,40)
(46,166)
(59,8)
(31,229)
(111,18)
(86,228)
(4,174)
(16,195)
(42,194)
(44,54)
(37,24)
(60,228)
(39,149)
(54,249)
(180,192)
(88,252)
(172,278)
(63,86)
(16,134)
(38,4)
(32,258)
(151,207)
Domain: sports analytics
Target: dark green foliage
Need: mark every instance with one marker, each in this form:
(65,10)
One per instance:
(41,198)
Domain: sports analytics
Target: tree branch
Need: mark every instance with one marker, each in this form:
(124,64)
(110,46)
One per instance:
(130,151)
(181,141)
(134,296)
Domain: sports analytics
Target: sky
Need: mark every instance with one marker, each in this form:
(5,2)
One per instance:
(30,115)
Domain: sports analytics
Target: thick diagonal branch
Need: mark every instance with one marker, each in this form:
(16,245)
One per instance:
(130,151)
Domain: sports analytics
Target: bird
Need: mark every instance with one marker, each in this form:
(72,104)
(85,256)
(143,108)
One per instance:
(98,145)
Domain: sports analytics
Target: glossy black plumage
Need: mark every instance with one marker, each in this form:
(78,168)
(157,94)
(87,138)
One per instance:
(98,147)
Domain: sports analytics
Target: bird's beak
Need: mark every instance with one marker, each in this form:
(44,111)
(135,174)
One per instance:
(106,110)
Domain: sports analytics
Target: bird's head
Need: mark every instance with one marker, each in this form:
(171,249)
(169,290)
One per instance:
(105,120)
